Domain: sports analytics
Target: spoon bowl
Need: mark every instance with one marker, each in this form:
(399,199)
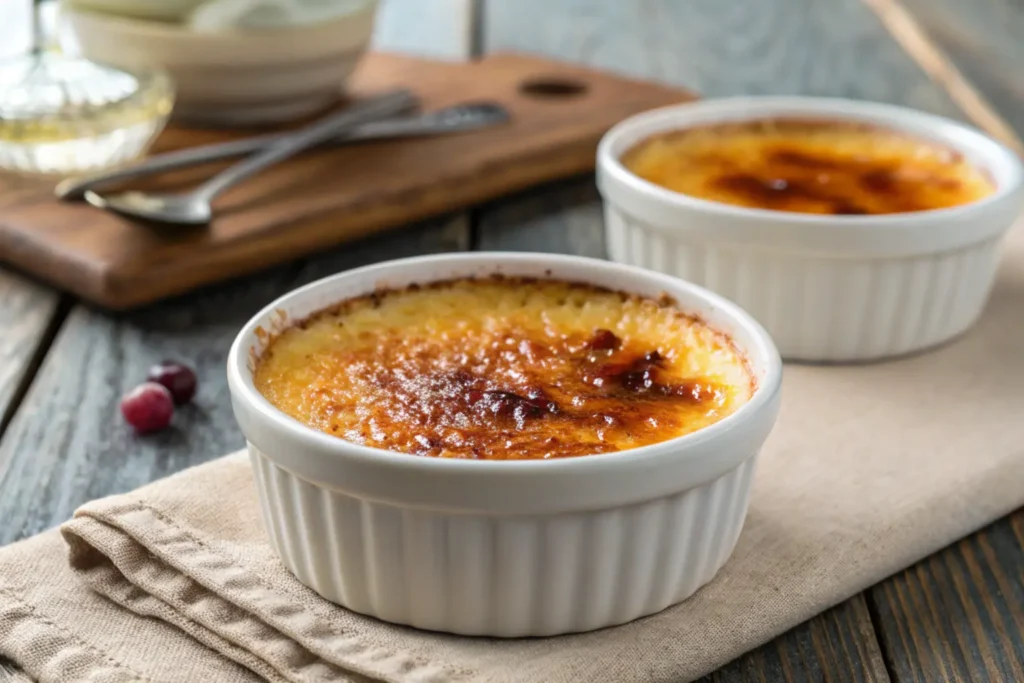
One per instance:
(180,209)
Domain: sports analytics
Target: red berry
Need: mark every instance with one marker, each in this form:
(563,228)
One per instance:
(179,379)
(148,407)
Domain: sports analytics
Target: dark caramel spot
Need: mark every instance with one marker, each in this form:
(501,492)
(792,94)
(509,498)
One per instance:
(878,180)
(843,207)
(605,340)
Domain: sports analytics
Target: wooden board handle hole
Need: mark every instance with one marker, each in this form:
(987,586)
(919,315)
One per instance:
(552,87)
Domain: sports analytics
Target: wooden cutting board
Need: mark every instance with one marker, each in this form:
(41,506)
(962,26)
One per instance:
(326,197)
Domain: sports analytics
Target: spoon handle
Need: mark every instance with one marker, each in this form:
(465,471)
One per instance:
(291,144)
(456,118)
(74,188)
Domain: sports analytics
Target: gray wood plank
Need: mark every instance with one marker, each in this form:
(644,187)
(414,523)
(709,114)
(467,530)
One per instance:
(982,40)
(958,615)
(839,646)
(830,48)
(27,310)
(441,29)
(67,443)
(819,47)
(562,217)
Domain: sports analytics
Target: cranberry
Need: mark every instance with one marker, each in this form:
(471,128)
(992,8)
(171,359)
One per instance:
(148,407)
(179,379)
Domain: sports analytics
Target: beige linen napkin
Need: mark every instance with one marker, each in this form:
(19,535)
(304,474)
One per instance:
(869,469)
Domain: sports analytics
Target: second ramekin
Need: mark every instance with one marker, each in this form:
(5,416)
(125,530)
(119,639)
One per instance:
(827,288)
(504,548)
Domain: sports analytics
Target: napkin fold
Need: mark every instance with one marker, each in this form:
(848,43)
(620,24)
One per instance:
(869,469)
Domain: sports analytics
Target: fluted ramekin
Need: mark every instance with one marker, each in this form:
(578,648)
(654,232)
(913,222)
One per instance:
(827,288)
(504,548)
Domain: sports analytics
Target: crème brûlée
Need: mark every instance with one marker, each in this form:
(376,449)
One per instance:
(808,166)
(503,368)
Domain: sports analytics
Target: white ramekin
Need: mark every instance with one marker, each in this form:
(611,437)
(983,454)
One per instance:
(514,548)
(827,288)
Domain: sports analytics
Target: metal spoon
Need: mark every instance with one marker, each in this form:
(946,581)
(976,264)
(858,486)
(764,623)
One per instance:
(458,118)
(193,208)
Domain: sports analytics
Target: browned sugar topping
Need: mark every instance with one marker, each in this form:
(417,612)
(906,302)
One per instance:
(503,368)
(809,167)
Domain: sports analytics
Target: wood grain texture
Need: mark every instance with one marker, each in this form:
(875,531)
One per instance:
(810,47)
(563,218)
(982,38)
(839,646)
(323,198)
(933,58)
(832,48)
(26,312)
(958,615)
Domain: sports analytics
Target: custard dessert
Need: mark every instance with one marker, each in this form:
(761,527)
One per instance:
(818,167)
(503,368)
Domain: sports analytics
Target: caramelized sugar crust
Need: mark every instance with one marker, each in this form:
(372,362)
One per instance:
(504,368)
(820,167)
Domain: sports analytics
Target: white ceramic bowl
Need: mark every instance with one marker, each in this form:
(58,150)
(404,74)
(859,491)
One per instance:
(232,77)
(504,548)
(827,288)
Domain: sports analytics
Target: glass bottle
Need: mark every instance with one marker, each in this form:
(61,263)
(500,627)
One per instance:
(63,115)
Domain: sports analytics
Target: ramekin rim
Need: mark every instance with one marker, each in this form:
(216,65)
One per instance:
(763,399)
(827,107)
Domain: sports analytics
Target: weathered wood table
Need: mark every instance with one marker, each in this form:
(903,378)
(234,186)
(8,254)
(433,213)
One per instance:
(957,616)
